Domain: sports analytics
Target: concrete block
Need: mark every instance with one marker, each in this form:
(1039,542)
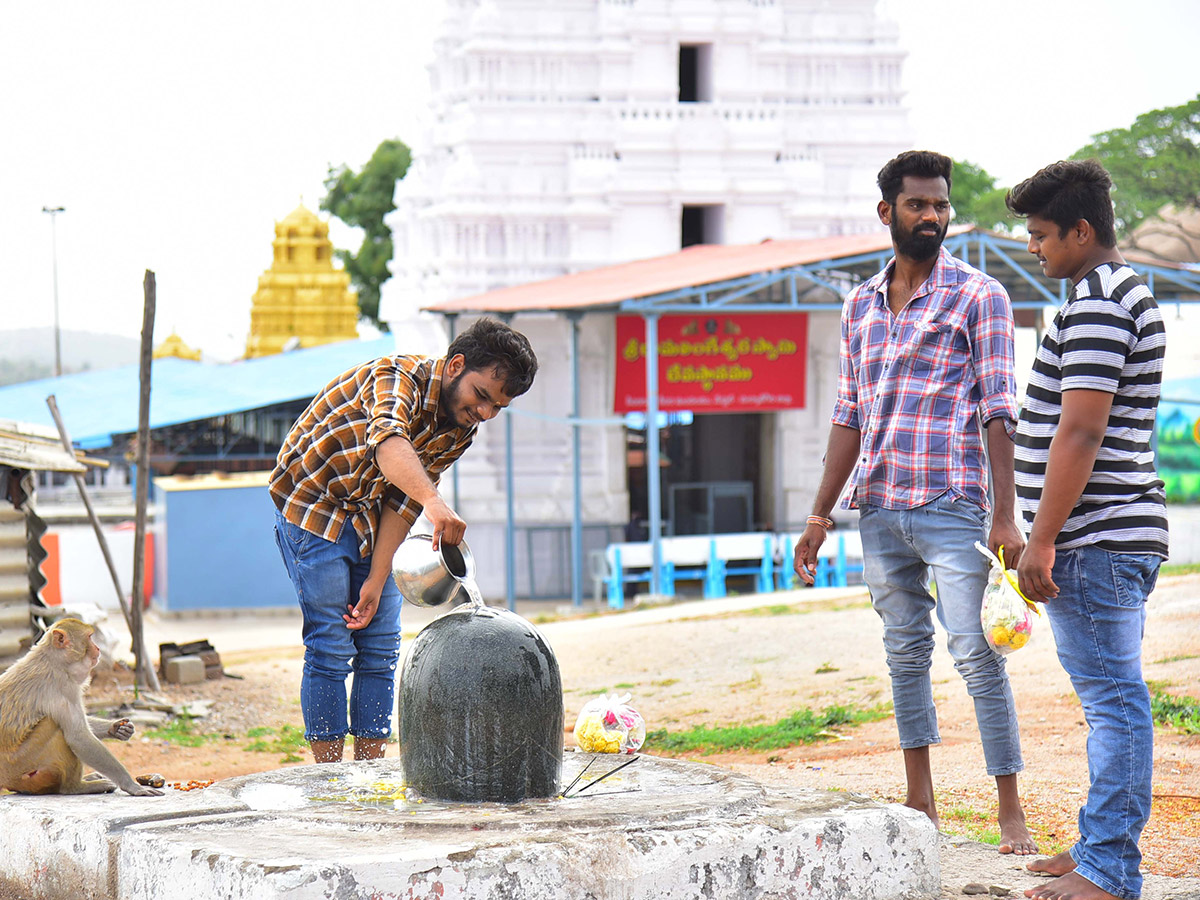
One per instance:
(185,670)
(676,831)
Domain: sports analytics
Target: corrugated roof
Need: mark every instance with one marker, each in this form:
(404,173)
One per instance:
(700,264)
(24,445)
(97,405)
(607,287)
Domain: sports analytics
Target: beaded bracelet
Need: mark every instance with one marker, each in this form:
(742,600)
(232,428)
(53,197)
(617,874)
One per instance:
(820,520)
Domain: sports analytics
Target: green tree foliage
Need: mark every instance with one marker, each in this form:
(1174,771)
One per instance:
(976,199)
(1153,162)
(362,199)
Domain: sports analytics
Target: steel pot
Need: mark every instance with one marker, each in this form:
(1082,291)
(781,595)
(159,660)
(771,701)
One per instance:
(428,577)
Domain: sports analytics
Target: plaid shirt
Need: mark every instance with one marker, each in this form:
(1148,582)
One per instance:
(326,473)
(912,383)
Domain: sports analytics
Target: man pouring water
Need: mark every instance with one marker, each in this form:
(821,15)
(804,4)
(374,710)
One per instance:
(358,467)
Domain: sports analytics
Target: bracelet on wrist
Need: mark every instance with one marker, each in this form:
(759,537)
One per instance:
(820,520)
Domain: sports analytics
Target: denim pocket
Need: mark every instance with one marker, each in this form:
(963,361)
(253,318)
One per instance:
(961,507)
(1134,576)
(293,535)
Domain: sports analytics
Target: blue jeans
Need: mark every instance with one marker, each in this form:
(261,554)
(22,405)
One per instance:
(900,548)
(1098,619)
(327,576)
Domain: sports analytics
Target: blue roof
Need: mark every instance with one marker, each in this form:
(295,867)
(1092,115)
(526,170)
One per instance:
(97,405)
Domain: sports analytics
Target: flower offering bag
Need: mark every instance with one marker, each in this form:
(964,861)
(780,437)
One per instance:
(1006,616)
(609,725)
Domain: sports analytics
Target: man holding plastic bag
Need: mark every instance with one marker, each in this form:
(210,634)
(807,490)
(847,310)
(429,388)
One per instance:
(1087,486)
(926,356)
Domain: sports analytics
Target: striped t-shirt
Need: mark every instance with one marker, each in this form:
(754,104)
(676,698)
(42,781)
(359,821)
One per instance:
(1107,337)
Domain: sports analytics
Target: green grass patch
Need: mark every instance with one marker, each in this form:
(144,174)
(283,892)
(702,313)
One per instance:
(624,686)
(665,682)
(978,826)
(825,668)
(802,727)
(775,609)
(1180,569)
(1170,659)
(287,739)
(181,731)
(1177,712)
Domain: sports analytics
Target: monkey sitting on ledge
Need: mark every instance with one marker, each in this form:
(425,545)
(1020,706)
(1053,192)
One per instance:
(45,733)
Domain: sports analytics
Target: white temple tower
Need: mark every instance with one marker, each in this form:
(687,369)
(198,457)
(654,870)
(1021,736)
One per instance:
(567,134)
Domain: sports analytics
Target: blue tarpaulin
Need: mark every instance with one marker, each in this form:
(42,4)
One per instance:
(97,405)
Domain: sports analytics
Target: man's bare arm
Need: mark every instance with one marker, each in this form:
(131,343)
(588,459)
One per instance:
(392,530)
(840,456)
(402,467)
(1072,455)
(1004,532)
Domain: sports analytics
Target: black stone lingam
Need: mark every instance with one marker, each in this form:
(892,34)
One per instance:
(481,709)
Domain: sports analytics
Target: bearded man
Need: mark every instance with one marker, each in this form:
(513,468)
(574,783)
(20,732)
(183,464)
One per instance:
(925,407)
(355,471)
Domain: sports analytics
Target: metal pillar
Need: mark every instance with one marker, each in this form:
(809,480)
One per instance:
(53,212)
(576,470)
(451,322)
(510,530)
(653,482)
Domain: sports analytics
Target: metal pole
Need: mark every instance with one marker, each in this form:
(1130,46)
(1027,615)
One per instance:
(653,482)
(510,531)
(451,322)
(576,474)
(53,212)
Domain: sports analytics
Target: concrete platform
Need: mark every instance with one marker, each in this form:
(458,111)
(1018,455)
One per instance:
(658,830)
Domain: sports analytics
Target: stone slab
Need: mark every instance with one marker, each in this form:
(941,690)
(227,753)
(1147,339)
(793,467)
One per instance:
(658,830)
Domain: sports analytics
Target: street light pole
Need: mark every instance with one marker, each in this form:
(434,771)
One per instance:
(53,212)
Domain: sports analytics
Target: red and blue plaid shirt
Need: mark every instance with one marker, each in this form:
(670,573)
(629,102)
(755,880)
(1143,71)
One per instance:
(918,385)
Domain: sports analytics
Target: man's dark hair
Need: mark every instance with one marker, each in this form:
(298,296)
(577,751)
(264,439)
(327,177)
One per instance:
(492,345)
(1065,192)
(919,163)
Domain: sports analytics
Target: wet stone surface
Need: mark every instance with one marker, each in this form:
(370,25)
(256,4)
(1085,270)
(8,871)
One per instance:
(481,709)
(657,830)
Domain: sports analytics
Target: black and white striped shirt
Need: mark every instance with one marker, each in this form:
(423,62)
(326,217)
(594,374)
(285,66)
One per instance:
(1108,336)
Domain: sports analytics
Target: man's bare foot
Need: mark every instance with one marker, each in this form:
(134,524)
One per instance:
(1055,865)
(1015,837)
(1071,886)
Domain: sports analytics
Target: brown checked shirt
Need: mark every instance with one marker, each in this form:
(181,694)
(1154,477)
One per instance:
(326,472)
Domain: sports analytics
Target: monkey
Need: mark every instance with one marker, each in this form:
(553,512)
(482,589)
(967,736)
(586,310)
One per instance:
(45,733)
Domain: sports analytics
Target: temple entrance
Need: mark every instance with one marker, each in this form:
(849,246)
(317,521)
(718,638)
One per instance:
(712,469)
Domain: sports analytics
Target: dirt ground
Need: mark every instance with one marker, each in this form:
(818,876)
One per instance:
(763,664)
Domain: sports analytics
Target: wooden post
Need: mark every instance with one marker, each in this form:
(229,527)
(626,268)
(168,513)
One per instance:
(144,668)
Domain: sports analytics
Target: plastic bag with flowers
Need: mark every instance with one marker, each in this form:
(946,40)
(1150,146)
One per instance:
(608,724)
(1007,616)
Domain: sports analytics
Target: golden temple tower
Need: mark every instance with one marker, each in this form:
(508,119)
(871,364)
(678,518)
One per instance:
(302,300)
(174,345)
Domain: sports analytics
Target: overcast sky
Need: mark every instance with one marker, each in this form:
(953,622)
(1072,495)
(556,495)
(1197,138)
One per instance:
(176,135)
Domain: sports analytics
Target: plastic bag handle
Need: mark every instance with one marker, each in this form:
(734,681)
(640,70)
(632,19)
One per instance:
(1008,576)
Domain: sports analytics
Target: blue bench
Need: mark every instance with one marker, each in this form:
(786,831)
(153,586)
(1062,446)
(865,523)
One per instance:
(710,559)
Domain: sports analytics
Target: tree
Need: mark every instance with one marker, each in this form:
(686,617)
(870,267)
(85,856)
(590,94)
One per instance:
(362,199)
(976,199)
(1153,162)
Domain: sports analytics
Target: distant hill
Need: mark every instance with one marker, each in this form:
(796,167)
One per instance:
(27,354)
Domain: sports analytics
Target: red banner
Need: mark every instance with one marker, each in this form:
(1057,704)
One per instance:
(715,362)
